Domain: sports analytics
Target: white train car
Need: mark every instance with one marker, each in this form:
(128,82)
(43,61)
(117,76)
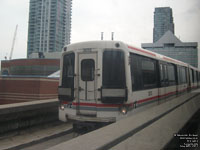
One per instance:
(103,81)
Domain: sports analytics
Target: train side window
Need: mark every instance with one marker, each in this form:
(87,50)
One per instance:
(199,76)
(195,77)
(171,74)
(136,75)
(179,75)
(143,72)
(149,73)
(183,75)
(166,75)
(68,70)
(192,75)
(163,75)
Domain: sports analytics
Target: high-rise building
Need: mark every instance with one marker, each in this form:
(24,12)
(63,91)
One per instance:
(49,26)
(166,43)
(163,21)
(169,45)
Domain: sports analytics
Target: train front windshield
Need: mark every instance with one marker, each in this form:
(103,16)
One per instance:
(113,69)
(114,83)
(66,91)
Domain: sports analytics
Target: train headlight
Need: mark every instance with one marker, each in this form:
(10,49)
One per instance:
(123,110)
(62,107)
(117,45)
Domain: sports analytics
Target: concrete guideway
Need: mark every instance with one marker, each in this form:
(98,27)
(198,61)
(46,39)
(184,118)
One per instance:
(158,134)
(196,91)
(150,129)
(34,136)
(16,116)
(22,115)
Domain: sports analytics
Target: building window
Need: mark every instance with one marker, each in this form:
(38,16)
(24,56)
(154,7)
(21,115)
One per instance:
(168,44)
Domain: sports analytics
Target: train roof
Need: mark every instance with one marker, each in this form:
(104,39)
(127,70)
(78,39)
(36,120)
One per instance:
(125,47)
(93,44)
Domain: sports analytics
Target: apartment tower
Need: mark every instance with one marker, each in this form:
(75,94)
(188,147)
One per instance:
(49,25)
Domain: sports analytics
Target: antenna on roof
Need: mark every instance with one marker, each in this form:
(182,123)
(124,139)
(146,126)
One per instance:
(101,35)
(112,36)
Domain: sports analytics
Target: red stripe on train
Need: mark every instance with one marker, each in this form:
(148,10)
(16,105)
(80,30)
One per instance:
(98,105)
(118,105)
(143,51)
(147,99)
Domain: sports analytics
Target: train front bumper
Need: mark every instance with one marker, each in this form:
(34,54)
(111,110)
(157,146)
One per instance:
(90,119)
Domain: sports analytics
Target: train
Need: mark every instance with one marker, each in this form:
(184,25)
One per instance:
(105,81)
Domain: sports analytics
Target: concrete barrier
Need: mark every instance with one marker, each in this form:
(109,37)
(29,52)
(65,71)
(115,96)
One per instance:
(150,129)
(21,115)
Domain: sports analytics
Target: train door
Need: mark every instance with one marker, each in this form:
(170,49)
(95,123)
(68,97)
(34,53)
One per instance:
(189,79)
(197,79)
(182,79)
(87,62)
(163,81)
(171,89)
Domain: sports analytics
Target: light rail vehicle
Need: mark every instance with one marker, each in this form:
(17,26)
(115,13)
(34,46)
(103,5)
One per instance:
(104,81)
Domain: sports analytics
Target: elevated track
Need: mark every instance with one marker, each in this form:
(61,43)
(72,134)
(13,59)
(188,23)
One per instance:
(151,129)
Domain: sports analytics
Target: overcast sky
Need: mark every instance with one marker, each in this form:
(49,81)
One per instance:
(130,20)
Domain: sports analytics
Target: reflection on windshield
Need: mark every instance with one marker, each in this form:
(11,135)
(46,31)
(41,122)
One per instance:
(113,69)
